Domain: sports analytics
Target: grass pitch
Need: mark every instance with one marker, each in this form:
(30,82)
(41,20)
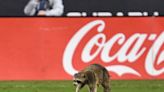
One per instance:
(67,86)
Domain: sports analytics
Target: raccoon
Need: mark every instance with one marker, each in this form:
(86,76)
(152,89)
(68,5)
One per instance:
(92,76)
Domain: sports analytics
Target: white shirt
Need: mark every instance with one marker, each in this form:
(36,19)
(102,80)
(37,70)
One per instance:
(57,8)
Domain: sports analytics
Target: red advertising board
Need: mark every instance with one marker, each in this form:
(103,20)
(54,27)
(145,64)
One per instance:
(56,48)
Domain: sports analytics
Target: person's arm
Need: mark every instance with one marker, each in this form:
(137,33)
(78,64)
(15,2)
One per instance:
(57,9)
(30,8)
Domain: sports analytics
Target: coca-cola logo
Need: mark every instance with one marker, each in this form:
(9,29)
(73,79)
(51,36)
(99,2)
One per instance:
(154,55)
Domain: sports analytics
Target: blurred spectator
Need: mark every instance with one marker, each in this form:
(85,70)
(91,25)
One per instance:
(44,8)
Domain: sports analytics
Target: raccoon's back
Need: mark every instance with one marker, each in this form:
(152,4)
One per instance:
(95,67)
(100,71)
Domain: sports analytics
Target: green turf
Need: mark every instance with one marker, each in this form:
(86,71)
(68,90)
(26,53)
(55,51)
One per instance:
(66,86)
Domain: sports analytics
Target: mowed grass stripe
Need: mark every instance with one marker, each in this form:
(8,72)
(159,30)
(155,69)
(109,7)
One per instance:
(67,86)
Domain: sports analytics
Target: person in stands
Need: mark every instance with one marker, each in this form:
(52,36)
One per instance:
(44,8)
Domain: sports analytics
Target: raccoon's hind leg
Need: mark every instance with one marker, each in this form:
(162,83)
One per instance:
(106,86)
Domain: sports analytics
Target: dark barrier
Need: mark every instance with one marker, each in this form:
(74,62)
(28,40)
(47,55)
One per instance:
(93,7)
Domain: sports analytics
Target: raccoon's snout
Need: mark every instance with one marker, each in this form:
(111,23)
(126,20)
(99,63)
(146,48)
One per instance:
(76,82)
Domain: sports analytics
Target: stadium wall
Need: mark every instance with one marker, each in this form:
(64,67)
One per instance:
(55,48)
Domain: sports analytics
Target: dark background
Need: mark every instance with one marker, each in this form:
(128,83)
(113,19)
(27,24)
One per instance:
(15,7)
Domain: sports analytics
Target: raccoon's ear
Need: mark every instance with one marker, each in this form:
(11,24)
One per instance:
(75,74)
(83,75)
